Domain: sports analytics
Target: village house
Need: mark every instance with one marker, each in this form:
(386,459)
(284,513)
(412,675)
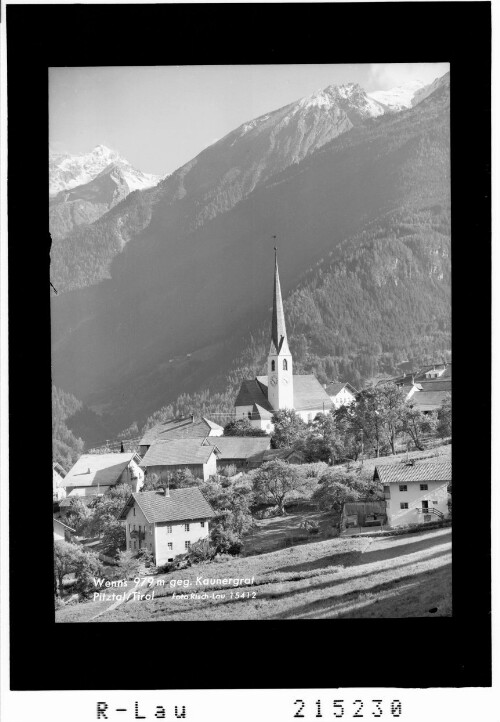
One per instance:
(259,398)
(62,532)
(426,388)
(95,474)
(415,491)
(237,450)
(167,457)
(58,474)
(166,521)
(184,427)
(341,394)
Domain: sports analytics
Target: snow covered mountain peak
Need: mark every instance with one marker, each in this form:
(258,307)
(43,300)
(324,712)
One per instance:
(398,98)
(68,171)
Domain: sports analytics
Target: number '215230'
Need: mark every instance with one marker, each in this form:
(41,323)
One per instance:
(356,709)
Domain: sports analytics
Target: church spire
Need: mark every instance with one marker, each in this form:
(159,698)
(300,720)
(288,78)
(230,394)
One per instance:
(278,329)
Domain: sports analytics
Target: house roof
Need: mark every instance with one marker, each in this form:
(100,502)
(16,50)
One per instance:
(336,387)
(58,521)
(239,447)
(181,504)
(258,412)
(181,428)
(177,452)
(435,385)
(428,400)
(270,454)
(98,469)
(425,470)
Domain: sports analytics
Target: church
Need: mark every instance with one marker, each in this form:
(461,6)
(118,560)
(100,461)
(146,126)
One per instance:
(259,398)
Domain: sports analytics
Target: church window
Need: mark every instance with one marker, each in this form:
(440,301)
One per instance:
(285,365)
(273,365)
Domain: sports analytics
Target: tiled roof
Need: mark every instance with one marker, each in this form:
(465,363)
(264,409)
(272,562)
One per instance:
(435,384)
(336,387)
(180,429)
(180,451)
(239,447)
(97,469)
(428,400)
(425,470)
(179,505)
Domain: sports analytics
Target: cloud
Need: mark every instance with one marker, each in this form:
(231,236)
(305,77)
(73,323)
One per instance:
(383,76)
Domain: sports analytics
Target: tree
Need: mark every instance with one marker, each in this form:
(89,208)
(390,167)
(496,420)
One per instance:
(232,514)
(323,441)
(87,568)
(415,423)
(336,487)
(444,418)
(275,482)
(288,428)
(128,564)
(78,515)
(367,419)
(114,538)
(66,555)
(391,405)
(106,508)
(242,427)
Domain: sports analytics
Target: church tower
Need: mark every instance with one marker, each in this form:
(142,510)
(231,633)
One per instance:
(279,362)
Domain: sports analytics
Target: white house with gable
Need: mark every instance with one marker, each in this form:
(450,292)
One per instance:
(166,521)
(415,491)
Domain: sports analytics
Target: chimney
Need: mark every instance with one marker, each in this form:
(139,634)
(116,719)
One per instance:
(122,450)
(192,418)
(163,491)
(88,470)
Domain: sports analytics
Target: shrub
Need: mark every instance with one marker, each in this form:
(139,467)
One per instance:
(201,551)
(229,470)
(128,563)
(87,567)
(146,557)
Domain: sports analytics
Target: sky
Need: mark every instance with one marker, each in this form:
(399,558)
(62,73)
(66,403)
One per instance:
(159,118)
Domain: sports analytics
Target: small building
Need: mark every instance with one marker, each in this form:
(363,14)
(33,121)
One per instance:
(58,474)
(291,456)
(167,457)
(166,521)
(95,474)
(363,514)
(184,427)
(415,491)
(62,532)
(341,394)
(237,450)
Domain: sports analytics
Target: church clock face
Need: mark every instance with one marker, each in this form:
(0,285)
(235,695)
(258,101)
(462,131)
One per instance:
(274,380)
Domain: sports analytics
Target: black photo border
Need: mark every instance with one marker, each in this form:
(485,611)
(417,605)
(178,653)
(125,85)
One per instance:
(441,652)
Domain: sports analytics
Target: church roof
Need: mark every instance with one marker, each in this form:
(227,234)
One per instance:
(251,393)
(308,393)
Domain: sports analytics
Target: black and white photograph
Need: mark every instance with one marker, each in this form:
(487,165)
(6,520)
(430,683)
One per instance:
(247,244)
(251,342)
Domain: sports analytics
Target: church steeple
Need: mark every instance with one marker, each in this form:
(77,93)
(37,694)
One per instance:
(278,328)
(279,365)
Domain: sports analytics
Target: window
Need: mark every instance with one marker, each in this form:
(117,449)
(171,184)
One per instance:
(134,527)
(170,546)
(134,510)
(187,544)
(285,365)
(249,414)
(423,487)
(203,523)
(434,502)
(403,487)
(273,365)
(186,527)
(169,528)
(130,545)
(129,527)
(135,545)
(404,505)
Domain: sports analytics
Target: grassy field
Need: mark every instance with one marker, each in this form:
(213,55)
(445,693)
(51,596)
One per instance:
(405,576)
